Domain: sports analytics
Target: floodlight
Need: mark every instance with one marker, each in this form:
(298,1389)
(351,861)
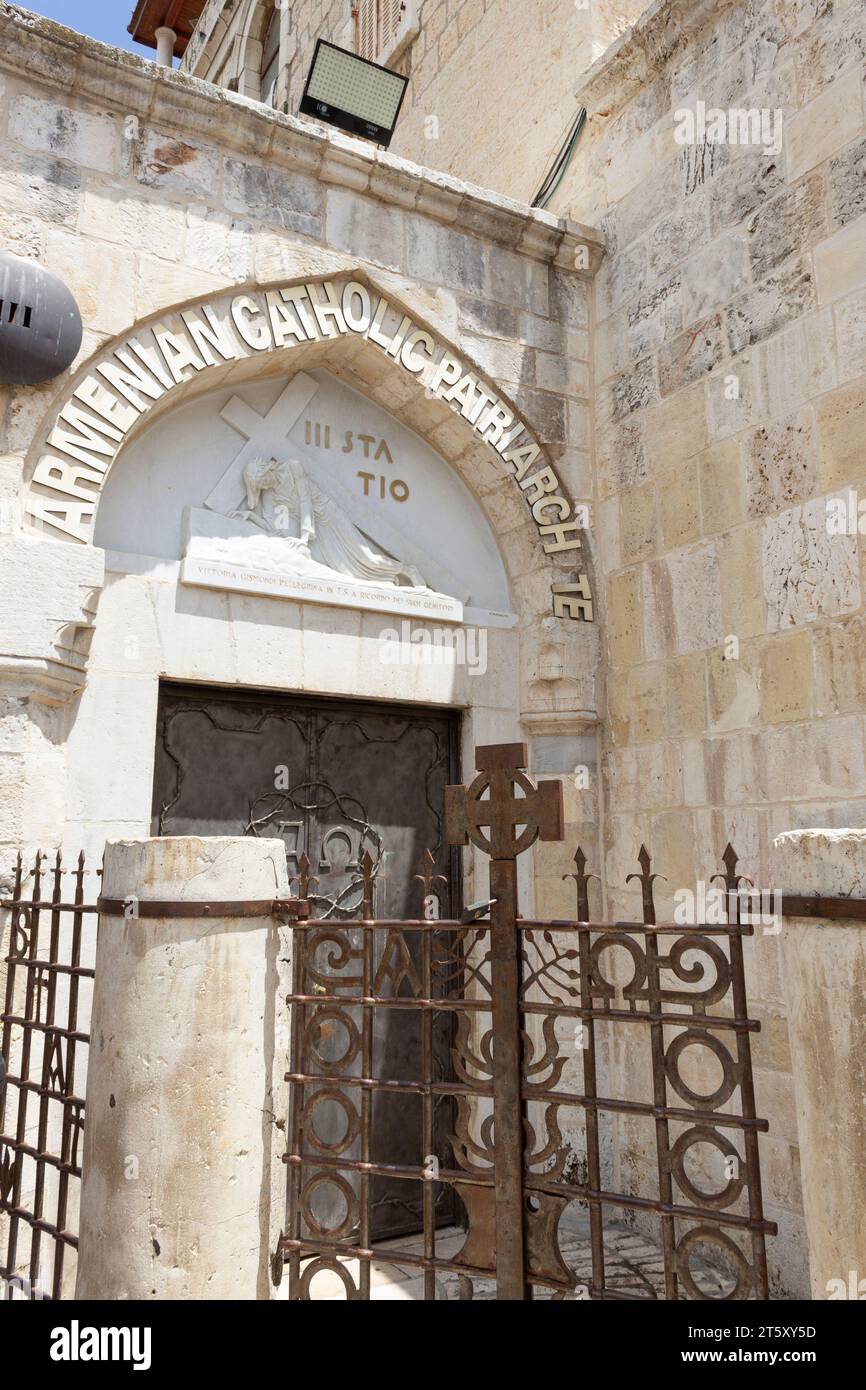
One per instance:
(358,96)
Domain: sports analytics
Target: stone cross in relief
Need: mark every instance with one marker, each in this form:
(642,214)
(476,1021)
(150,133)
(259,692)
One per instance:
(266,437)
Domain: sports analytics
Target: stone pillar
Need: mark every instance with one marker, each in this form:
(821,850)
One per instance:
(825,988)
(165,41)
(183,1190)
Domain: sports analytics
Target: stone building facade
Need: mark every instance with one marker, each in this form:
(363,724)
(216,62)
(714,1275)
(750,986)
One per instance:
(677,346)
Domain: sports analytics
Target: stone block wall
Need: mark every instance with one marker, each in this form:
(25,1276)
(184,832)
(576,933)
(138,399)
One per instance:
(148,190)
(491,82)
(730,407)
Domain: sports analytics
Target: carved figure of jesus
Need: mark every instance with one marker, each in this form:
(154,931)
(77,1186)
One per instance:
(326,533)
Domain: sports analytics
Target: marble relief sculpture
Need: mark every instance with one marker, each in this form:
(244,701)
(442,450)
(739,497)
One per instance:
(281,497)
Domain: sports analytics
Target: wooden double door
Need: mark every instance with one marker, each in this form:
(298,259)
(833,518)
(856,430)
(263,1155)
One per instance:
(334,780)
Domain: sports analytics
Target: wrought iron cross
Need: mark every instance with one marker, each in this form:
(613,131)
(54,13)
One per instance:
(491,801)
(491,814)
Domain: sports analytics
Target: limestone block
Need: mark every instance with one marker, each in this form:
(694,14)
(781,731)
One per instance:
(786,678)
(507,362)
(495,320)
(554,372)
(612,346)
(694,772)
(850,316)
(364,227)
(575,469)
(682,602)
(624,617)
(781,228)
(436,305)
(163,284)
(732,770)
(569,299)
(733,397)
(274,195)
(824,125)
(195,1002)
(685,695)
(673,839)
(110,780)
(607,536)
(278,256)
(46,622)
(142,222)
(544,413)
(807,573)
(38,186)
(842,426)
(774,1100)
(691,355)
(814,760)
(722,486)
(655,316)
(783,296)
(675,430)
(620,279)
(714,276)
(733,688)
(840,667)
(829,48)
(827,1030)
(781,463)
(84,137)
(630,391)
(799,363)
(578,434)
(676,235)
(846,184)
(219,244)
(740,568)
(101,276)
(444,256)
(840,261)
(177,165)
(511,278)
(620,457)
(740,189)
(638,525)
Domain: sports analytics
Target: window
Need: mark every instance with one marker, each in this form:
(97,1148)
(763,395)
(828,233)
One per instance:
(271,59)
(383,28)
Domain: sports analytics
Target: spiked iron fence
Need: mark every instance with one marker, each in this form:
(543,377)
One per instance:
(510,986)
(47,956)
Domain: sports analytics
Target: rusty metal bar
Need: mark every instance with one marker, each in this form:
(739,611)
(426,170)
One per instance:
(573,1191)
(428,1192)
(286,909)
(375,1255)
(710,1021)
(833,909)
(365,1199)
(657,1045)
(747,1088)
(507,1110)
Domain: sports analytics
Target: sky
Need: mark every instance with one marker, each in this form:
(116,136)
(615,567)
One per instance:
(101,19)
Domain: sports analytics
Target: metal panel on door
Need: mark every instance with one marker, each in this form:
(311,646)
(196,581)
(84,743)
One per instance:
(335,780)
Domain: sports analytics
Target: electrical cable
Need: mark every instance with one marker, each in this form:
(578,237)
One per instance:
(560,166)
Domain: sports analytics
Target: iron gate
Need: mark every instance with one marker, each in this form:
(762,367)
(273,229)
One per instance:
(511,987)
(48,964)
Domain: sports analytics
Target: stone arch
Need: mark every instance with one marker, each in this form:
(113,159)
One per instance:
(361,362)
(252,31)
